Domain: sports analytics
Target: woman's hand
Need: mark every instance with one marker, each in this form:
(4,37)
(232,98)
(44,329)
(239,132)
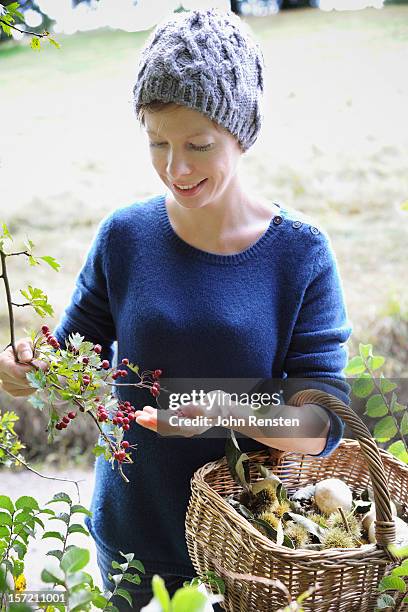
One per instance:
(178,422)
(13,374)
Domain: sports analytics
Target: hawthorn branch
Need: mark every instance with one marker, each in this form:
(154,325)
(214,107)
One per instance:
(24,31)
(28,467)
(26,304)
(9,303)
(19,253)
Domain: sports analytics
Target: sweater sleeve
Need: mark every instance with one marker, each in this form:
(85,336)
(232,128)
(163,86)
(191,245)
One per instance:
(88,312)
(317,349)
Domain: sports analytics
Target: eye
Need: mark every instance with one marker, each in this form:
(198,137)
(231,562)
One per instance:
(201,147)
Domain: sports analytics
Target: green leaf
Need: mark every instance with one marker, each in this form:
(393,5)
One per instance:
(75,559)
(4,531)
(21,549)
(188,599)
(134,578)
(53,534)
(39,522)
(392,583)
(36,401)
(27,502)
(53,575)
(55,553)
(365,350)
(375,362)
(385,429)
(387,385)
(98,450)
(80,509)
(404,424)
(402,570)
(137,565)
(78,599)
(5,519)
(62,516)
(51,262)
(33,261)
(35,43)
(355,366)
(54,42)
(123,593)
(160,592)
(120,566)
(77,528)
(385,601)
(100,601)
(398,450)
(60,497)
(363,386)
(6,503)
(37,379)
(238,462)
(375,406)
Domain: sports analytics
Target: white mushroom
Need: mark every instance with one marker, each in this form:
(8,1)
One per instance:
(401,538)
(331,494)
(370,516)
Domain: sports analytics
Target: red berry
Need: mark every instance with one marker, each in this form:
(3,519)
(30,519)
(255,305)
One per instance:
(157,373)
(156,385)
(115,375)
(123,373)
(65,419)
(125,361)
(115,421)
(119,420)
(119,414)
(45,329)
(125,444)
(131,416)
(97,349)
(72,414)
(85,360)
(128,404)
(125,420)
(58,426)
(154,391)
(120,455)
(105,364)
(102,416)
(126,426)
(63,425)
(101,407)
(86,381)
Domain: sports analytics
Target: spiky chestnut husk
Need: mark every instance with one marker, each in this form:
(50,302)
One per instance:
(297,533)
(270,518)
(281,508)
(335,520)
(264,501)
(320,519)
(335,537)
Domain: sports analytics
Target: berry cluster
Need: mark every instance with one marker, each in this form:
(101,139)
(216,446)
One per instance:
(155,388)
(65,420)
(52,341)
(120,455)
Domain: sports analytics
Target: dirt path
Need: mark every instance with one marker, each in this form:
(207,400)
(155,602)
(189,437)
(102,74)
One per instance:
(16,484)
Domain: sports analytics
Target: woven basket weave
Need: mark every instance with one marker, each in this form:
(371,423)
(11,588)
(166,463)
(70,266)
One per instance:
(221,540)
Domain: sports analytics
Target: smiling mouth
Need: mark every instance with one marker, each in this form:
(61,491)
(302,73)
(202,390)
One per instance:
(188,187)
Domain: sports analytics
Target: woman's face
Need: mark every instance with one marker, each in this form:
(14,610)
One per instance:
(187,149)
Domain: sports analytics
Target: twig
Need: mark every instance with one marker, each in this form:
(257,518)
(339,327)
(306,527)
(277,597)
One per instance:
(343,516)
(28,467)
(9,302)
(23,31)
(26,304)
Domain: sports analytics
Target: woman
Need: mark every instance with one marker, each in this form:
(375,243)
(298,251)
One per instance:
(204,281)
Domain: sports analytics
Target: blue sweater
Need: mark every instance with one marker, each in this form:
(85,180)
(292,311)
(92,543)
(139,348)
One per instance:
(275,309)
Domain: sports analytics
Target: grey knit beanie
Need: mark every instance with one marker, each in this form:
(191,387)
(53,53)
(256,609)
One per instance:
(206,60)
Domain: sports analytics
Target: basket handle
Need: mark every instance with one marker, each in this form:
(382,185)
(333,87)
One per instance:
(385,530)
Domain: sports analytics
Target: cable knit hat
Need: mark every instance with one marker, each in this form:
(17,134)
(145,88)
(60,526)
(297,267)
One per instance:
(206,60)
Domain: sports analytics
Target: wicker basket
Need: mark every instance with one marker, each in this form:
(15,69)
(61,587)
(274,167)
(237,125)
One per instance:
(220,539)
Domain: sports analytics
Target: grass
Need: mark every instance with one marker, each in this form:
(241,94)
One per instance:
(333,145)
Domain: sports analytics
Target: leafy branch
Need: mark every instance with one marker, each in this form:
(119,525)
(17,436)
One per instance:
(10,14)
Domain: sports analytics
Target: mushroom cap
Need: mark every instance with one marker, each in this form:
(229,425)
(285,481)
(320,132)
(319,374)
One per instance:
(331,494)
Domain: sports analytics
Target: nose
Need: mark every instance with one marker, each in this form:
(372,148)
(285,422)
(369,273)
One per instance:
(178,166)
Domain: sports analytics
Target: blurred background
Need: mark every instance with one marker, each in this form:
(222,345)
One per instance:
(333,145)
